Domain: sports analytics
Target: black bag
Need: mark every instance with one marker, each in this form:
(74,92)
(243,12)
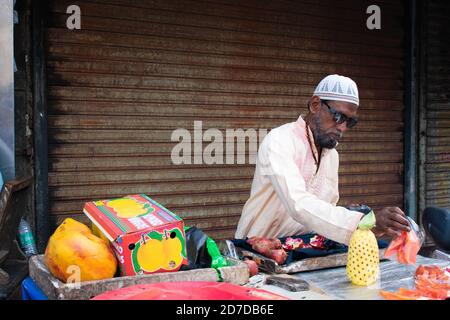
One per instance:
(197,252)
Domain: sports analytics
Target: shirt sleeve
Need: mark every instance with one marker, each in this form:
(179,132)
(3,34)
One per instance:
(332,222)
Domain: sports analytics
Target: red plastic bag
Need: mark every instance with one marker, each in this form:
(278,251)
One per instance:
(188,290)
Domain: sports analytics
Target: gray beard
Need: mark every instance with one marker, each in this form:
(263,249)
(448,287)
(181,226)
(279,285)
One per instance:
(323,140)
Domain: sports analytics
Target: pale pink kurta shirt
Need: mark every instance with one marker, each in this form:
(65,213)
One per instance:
(288,197)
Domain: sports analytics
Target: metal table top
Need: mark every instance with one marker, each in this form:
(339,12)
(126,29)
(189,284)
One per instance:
(393,275)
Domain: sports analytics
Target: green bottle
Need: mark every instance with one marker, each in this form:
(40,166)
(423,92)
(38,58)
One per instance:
(26,239)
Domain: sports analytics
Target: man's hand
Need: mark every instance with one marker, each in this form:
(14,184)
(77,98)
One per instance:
(391,221)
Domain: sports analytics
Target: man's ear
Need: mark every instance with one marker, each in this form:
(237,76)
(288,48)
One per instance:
(314,104)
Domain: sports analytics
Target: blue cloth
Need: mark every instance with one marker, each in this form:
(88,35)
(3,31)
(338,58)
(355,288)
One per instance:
(30,291)
(331,247)
(1,181)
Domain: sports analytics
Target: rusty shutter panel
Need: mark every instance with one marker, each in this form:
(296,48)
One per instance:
(137,70)
(437,105)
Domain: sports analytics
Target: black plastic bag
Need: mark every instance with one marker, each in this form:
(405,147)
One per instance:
(196,249)
(365,209)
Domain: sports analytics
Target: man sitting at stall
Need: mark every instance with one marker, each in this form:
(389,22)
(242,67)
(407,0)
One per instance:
(295,186)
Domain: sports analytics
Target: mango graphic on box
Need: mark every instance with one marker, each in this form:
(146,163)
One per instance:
(150,255)
(156,251)
(173,248)
(128,208)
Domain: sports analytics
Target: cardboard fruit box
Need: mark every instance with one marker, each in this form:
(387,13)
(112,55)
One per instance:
(146,237)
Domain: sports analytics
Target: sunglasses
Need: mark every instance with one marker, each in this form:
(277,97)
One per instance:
(339,117)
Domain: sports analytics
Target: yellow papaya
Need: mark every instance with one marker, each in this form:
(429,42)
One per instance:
(70,224)
(74,252)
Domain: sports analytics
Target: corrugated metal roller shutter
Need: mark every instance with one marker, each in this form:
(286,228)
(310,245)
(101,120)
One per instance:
(437,104)
(137,70)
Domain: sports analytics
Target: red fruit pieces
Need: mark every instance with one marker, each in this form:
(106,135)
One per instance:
(252,240)
(317,242)
(396,296)
(431,283)
(252,266)
(262,246)
(420,270)
(430,290)
(293,244)
(407,245)
(431,272)
(409,293)
(269,247)
(279,255)
(264,243)
(411,247)
(394,246)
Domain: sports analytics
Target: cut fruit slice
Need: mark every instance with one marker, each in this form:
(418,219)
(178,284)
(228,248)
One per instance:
(396,296)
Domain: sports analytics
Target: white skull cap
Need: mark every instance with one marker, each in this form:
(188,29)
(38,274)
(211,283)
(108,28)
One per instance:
(337,87)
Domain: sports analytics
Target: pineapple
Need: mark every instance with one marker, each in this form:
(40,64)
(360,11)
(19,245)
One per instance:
(363,255)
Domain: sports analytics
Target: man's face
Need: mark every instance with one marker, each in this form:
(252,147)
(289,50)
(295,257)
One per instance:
(327,132)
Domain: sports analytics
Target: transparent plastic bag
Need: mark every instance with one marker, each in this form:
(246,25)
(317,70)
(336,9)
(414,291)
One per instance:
(419,230)
(406,246)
